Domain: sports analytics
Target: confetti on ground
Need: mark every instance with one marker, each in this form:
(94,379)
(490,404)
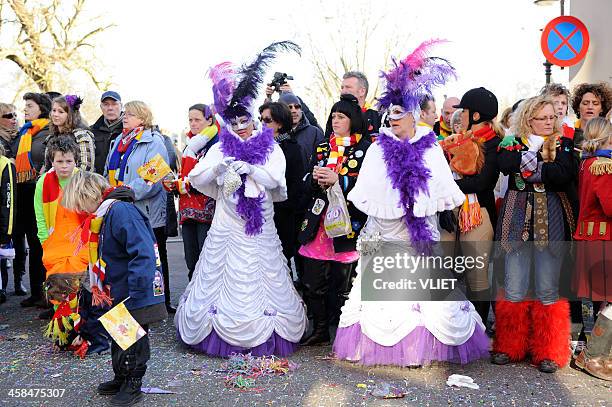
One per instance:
(242,371)
(385,390)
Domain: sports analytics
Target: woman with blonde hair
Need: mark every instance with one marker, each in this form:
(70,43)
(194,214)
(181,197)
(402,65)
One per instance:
(536,218)
(137,145)
(594,236)
(66,119)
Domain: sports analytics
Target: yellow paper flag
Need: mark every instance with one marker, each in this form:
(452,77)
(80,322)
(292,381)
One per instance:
(122,326)
(154,170)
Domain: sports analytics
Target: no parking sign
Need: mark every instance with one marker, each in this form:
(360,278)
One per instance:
(565,41)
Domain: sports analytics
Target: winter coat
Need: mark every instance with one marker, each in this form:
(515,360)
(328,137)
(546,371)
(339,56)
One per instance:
(483,183)
(286,212)
(150,199)
(7,199)
(127,246)
(308,137)
(347,179)
(103,137)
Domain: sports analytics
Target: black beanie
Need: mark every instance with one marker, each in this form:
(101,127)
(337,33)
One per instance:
(349,105)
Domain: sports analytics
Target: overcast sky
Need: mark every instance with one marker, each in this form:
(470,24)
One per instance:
(159,51)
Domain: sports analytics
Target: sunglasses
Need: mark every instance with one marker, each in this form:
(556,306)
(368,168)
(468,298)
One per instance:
(9,116)
(266,120)
(294,107)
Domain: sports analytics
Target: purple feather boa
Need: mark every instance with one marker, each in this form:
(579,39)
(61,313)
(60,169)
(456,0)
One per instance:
(408,175)
(255,150)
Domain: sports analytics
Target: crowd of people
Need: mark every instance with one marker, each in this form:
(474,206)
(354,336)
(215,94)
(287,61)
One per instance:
(264,191)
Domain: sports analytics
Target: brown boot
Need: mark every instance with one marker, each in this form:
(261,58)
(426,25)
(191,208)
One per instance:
(600,367)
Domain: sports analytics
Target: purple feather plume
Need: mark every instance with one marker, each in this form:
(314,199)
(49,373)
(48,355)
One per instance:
(252,75)
(414,77)
(255,150)
(222,77)
(408,174)
(74,101)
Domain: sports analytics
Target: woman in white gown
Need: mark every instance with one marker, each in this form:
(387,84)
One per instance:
(241,297)
(403,183)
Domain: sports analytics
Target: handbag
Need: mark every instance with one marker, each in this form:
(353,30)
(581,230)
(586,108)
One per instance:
(337,220)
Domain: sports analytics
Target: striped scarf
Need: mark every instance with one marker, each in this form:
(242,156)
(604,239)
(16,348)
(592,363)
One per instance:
(337,146)
(23,161)
(119,158)
(445,131)
(97,267)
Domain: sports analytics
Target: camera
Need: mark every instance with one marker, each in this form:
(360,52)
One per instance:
(280,78)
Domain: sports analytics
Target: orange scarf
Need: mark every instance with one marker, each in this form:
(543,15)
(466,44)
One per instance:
(23,161)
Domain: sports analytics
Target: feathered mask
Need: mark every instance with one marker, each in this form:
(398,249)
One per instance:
(414,77)
(74,102)
(234,92)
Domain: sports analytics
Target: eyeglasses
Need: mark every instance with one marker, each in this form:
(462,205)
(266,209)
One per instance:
(9,116)
(294,107)
(266,120)
(545,118)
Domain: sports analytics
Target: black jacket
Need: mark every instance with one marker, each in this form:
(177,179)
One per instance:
(103,136)
(308,137)
(7,199)
(285,212)
(483,183)
(355,155)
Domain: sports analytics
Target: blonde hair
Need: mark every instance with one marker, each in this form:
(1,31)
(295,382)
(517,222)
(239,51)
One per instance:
(6,108)
(84,191)
(142,111)
(505,117)
(597,132)
(526,111)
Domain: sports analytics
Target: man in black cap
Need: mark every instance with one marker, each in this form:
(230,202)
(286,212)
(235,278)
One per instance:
(307,135)
(108,126)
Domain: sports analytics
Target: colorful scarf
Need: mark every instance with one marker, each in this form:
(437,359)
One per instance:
(337,145)
(119,158)
(484,133)
(408,174)
(23,161)
(444,130)
(97,267)
(255,150)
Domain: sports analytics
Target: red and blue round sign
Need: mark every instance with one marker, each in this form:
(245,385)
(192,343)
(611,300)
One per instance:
(565,41)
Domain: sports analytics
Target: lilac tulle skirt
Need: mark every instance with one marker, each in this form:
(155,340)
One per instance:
(213,345)
(420,347)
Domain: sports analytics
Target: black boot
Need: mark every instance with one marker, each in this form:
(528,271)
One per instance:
(17,281)
(129,394)
(111,387)
(320,331)
(2,296)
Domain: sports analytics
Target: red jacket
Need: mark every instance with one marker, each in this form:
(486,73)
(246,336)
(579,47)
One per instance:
(595,194)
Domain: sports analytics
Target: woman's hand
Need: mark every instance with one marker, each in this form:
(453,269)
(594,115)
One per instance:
(325,176)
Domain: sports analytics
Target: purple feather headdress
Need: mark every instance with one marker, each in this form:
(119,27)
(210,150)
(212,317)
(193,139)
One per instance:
(414,77)
(74,101)
(234,92)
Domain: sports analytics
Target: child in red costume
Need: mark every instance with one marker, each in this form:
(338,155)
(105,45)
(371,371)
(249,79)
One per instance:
(535,220)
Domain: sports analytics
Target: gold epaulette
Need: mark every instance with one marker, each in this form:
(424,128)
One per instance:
(601,166)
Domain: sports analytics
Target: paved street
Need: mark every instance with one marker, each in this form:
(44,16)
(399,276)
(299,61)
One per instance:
(26,361)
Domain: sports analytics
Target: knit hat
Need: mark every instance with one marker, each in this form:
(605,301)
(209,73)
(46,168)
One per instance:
(349,106)
(289,98)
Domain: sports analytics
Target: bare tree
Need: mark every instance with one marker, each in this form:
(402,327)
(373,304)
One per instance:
(350,35)
(47,39)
